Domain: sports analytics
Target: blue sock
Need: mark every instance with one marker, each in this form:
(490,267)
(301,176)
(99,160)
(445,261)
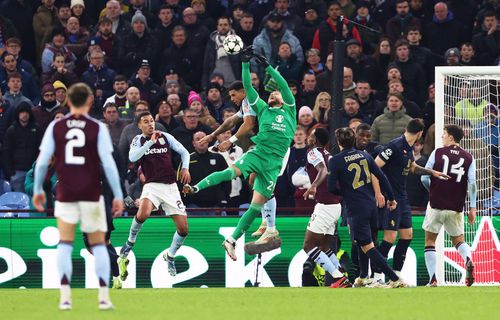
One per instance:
(380,262)
(322,260)
(400,254)
(333,258)
(177,242)
(430,261)
(102,267)
(363,263)
(269,212)
(134,229)
(64,263)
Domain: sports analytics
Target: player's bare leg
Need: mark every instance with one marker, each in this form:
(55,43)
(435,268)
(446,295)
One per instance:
(64,263)
(145,208)
(244,223)
(430,257)
(177,241)
(102,267)
(464,251)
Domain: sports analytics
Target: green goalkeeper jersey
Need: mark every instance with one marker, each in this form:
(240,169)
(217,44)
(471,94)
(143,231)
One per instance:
(276,125)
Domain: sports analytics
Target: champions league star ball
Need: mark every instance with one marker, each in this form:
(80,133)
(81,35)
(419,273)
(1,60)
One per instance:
(232,44)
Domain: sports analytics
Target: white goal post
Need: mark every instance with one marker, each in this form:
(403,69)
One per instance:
(468,96)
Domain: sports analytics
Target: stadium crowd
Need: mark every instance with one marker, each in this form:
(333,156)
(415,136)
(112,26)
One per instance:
(166,56)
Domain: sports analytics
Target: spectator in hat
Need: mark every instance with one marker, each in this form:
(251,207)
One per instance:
(61,90)
(180,56)
(443,32)
(57,46)
(487,41)
(267,42)
(363,66)
(290,19)
(43,24)
(305,30)
(172,87)
(164,27)
(204,18)
(142,81)
(397,25)
(58,71)
(48,107)
(13,46)
(99,78)
(107,40)
(120,25)
(78,11)
(138,45)
(306,118)
(363,17)
(325,34)
(29,86)
(215,101)
(216,58)
(195,102)
(14,96)
(20,146)
(452,57)
(138,6)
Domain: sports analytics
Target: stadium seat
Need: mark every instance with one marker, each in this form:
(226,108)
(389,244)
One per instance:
(4,187)
(16,201)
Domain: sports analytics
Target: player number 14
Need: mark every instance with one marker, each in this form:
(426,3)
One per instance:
(76,139)
(455,168)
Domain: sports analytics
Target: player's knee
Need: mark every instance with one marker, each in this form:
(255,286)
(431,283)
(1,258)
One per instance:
(183,230)
(390,237)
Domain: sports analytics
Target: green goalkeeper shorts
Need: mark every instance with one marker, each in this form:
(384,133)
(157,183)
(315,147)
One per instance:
(266,167)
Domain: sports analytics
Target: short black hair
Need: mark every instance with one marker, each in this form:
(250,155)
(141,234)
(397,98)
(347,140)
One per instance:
(363,127)
(345,137)
(120,78)
(78,94)
(415,126)
(236,85)
(322,136)
(455,131)
(142,114)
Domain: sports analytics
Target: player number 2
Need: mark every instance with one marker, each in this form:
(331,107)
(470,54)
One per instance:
(76,139)
(456,168)
(357,182)
(271,185)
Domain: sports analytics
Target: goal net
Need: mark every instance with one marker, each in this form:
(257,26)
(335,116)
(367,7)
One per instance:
(469,97)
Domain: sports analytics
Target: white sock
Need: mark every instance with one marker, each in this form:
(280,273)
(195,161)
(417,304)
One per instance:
(103,294)
(134,230)
(333,258)
(64,263)
(102,264)
(378,276)
(464,251)
(430,261)
(177,242)
(322,259)
(269,213)
(65,293)
(230,239)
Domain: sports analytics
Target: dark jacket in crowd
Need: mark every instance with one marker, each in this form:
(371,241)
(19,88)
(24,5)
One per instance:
(365,68)
(369,109)
(413,80)
(102,79)
(185,136)
(53,75)
(440,36)
(185,62)
(424,57)
(397,26)
(148,90)
(290,69)
(20,144)
(487,47)
(133,50)
(305,32)
(30,88)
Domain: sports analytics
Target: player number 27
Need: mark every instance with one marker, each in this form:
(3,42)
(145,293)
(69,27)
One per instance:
(455,168)
(76,139)
(357,182)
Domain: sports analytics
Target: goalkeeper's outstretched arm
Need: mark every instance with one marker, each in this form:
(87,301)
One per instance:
(286,93)
(252,94)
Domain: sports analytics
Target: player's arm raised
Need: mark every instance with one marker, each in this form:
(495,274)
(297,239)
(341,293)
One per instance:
(136,150)
(185,176)
(47,148)
(286,93)
(252,94)
(105,151)
(228,124)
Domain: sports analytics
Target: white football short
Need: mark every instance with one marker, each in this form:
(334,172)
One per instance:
(452,221)
(90,214)
(165,195)
(324,218)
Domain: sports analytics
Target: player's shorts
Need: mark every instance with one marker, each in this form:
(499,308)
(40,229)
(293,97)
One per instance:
(399,218)
(284,162)
(165,195)
(360,224)
(324,218)
(267,168)
(90,214)
(452,221)
(374,221)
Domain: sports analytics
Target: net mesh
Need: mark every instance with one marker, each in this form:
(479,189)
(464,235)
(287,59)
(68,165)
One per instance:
(472,102)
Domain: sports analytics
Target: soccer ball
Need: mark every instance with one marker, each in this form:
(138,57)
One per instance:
(232,44)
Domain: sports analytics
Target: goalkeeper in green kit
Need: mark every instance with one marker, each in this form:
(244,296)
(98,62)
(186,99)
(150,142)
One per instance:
(277,123)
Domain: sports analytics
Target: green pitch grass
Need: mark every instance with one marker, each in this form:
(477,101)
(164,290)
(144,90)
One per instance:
(260,303)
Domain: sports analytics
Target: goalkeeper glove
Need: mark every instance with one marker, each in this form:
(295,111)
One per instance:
(246,54)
